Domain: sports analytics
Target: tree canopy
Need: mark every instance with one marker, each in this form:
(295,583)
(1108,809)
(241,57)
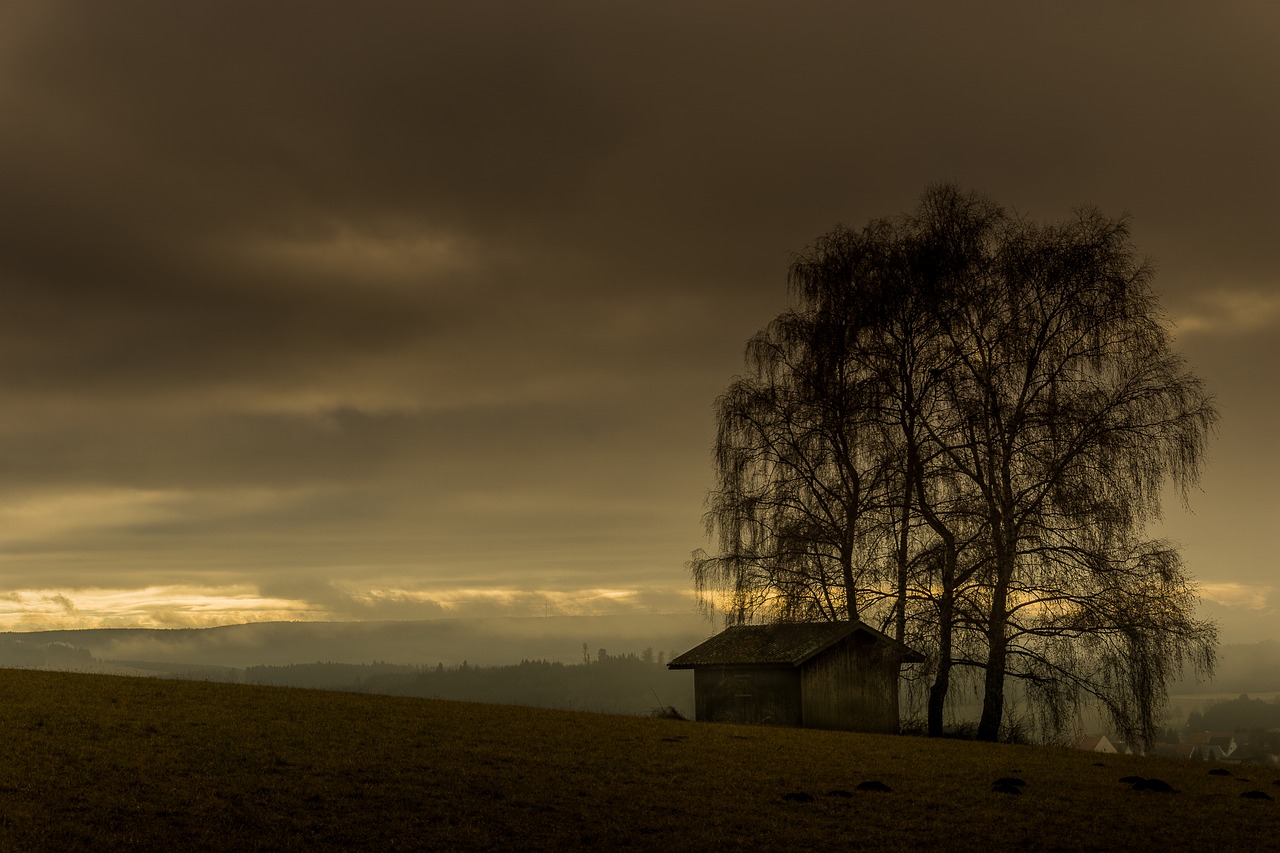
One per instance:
(959,431)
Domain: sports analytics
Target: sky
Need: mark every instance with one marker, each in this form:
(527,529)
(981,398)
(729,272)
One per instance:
(377,310)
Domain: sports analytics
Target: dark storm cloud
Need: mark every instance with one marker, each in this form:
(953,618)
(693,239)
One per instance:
(331,291)
(639,148)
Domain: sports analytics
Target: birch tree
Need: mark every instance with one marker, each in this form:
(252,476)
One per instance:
(960,431)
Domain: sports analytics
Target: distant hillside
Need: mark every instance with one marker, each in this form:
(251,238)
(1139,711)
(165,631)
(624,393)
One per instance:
(441,659)
(108,763)
(482,642)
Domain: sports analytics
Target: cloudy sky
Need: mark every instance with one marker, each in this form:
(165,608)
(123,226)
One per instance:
(396,310)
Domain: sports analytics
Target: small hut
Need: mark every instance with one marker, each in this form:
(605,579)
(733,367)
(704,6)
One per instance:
(826,675)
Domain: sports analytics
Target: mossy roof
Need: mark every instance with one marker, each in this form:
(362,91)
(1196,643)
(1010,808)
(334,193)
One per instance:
(780,644)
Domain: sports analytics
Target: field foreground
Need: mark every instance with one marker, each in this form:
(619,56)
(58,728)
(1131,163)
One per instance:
(108,762)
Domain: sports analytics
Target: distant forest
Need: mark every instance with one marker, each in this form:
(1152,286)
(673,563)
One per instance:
(615,684)
(1241,714)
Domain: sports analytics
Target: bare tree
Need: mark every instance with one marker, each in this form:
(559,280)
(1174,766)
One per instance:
(1072,412)
(801,475)
(964,425)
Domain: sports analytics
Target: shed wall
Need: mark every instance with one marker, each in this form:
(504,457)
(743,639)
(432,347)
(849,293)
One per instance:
(766,695)
(852,686)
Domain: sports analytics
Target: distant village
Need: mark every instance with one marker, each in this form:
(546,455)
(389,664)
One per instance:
(1194,746)
(1239,731)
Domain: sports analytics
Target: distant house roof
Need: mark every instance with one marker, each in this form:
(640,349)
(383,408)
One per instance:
(1172,750)
(1198,738)
(781,643)
(1094,743)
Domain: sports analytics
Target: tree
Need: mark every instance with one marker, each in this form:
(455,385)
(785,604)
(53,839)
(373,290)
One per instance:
(961,429)
(1069,411)
(798,479)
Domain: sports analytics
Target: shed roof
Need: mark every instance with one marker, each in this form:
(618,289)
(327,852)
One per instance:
(780,644)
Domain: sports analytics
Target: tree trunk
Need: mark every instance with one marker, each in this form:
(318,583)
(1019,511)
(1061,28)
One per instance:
(997,657)
(993,693)
(850,588)
(900,605)
(942,679)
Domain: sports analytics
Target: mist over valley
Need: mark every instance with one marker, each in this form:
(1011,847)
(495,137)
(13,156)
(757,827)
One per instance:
(612,664)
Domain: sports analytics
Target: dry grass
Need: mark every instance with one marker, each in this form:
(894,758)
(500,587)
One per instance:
(103,762)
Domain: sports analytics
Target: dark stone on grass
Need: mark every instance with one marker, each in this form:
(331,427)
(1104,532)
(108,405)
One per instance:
(1009,780)
(1098,764)
(839,792)
(1157,785)
(1219,771)
(1006,788)
(1132,780)
(1257,795)
(798,797)
(874,785)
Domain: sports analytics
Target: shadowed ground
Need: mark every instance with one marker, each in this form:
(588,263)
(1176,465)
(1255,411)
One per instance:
(108,762)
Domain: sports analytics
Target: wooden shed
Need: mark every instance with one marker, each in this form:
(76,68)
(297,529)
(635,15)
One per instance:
(825,675)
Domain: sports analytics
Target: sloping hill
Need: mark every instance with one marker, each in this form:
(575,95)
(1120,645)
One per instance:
(483,642)
(108,762)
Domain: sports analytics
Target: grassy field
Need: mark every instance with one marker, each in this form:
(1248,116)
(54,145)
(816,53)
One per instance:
(109,762)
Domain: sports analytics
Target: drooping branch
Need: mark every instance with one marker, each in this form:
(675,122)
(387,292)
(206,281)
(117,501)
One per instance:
(960,430)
